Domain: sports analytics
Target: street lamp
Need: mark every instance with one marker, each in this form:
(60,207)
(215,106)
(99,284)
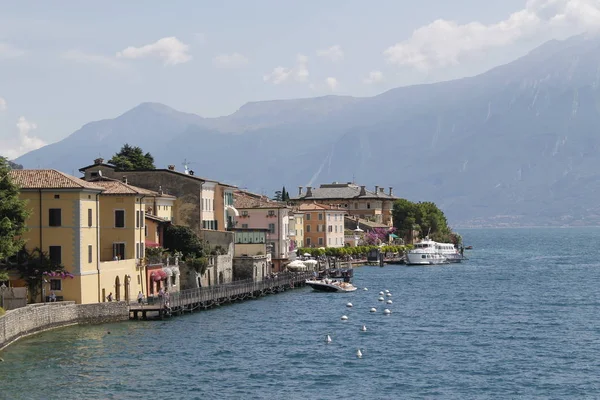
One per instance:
(2,290)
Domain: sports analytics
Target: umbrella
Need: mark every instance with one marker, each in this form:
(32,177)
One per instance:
(296,265)
(306,254)
(310,262)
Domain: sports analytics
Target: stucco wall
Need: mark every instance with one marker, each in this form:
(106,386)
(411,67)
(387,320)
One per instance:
(39,317)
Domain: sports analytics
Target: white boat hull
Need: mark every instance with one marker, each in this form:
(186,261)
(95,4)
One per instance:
(425,259)
(331,286)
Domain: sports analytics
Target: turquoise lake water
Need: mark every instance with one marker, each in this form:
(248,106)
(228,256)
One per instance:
(518,320)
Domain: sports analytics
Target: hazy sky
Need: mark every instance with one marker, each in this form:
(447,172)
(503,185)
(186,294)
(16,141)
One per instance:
(65,63)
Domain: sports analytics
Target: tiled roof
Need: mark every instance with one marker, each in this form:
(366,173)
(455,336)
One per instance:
(114,186)
(242,200)
(49,179)
(343,191)
(317,207)
(155,218)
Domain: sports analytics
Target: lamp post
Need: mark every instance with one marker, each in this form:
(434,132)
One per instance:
(2,290)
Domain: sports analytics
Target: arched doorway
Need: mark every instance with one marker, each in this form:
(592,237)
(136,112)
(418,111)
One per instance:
(127,280)
(221,279)
(117,289)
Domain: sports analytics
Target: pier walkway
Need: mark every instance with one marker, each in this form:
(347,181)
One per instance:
(205,298)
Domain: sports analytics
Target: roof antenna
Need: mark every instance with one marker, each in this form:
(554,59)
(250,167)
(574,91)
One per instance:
(185,164)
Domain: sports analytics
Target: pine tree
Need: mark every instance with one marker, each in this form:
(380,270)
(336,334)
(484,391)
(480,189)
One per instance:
(131,158)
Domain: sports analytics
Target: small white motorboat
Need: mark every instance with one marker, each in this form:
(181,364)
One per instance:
(330,285)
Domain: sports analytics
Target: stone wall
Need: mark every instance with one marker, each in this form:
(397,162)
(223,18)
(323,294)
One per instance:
(250,267)
(40,317)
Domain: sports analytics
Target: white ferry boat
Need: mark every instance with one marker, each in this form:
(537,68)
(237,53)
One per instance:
(449,251)
(425,253)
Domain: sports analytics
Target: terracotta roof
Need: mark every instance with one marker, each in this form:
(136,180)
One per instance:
(114,186)
(317,207)
(242,200)
(49,179)
(97,165)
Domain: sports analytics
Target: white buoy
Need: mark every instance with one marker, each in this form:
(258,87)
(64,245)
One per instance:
(348,304)
(373,309)
(358,353)
(387,312)
(380,298)
(389,302)
(389,295)
(387,291)
(365,289)
(381,293)
(344,317)
(363,328)
(328,339)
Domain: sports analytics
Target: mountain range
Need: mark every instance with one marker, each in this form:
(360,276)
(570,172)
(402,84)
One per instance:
(515,146)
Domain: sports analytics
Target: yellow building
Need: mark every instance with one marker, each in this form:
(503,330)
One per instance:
(64,224)
(122,238)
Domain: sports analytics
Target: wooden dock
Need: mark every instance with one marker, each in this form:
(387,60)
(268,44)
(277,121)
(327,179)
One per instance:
(204,298)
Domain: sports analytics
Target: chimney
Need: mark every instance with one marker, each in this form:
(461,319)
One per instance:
(376,189)
(125,180)
(380,190)
(99,161)
(300,191)
(309,191)
(160,191)
(363,192)
(391,191)
(171,167)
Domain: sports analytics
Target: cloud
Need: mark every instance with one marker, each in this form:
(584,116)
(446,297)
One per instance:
(22,144)
(443,43)
(169,49)
(332,83)
(9,51)
(88,58)
(374,77)
(233,60)
(2,104)
(282,74)
(333,53)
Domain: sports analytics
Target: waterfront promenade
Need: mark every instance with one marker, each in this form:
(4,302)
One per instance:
(204,298)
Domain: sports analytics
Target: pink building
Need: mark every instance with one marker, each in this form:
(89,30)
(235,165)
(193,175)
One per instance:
(258,212)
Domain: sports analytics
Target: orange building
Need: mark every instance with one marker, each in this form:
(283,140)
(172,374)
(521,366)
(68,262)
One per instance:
(323,225)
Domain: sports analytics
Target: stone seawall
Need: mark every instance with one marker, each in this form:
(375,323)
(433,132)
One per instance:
(34,318)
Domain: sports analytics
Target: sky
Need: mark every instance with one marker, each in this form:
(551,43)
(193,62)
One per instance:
(64,63)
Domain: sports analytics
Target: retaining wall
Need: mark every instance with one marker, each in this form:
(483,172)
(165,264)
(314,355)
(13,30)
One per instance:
(40,317)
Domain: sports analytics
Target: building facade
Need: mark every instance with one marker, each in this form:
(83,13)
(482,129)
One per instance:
(251,259)
(258,212)
(323,225)
(356,200)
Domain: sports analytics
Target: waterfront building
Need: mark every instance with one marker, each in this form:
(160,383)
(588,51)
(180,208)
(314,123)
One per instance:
(323,225)
(251,259)
(259,212)
(356,200)
(296,229)
(64,223)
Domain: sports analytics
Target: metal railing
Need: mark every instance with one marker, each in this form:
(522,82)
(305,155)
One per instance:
(230,291)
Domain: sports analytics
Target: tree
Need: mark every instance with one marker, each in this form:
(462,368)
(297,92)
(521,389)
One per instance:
(278,195)
(34,266)
(13,214)
(131,158)
(184,240)
(424,217)
(285,196)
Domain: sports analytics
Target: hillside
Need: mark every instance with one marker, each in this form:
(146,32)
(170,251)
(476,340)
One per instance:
(515,146)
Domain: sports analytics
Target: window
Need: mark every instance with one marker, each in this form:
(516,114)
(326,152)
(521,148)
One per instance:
(244,213)
(57,196)
(244,226)
(137,250)
(54,217)
(137,219)
(142,249)
(320,217)
(320,241)
(308,217)
(55,254)
(90,215)
(94,174)
(307,241)
(368,205)
(330,228)
(119,218)
(90,253)
(328,217)
(119,251)
(271,213)
(335,228)
(272,228)
(146,230)
(55,284)
(307,228)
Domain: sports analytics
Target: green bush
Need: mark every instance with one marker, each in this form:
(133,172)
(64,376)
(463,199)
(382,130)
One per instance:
(2,312)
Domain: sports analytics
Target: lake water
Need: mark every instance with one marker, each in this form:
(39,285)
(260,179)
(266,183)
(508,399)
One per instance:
(519,319)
